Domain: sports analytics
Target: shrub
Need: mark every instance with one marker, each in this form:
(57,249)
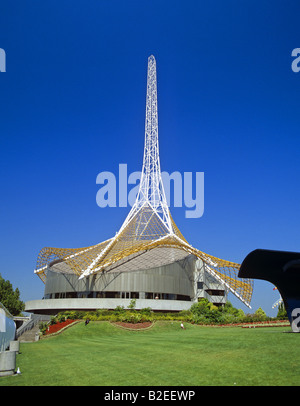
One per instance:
(229,309)
(103,312)
(215,316)
(132,304)
(282,314)
(185,313)
(146,311)
(202,312)
(53,320)
(199,319)
(118,310)
(67,315)
(205,312)
(43,327)
(201,308)
(61,317)
(229,318)
(91,316)
(130,317)
(72,315)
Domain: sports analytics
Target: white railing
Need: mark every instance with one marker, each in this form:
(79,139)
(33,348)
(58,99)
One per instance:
(34,320)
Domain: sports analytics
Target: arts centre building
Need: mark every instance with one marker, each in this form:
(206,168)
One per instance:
(148,259)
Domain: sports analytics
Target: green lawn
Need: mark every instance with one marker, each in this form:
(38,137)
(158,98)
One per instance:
(102,354)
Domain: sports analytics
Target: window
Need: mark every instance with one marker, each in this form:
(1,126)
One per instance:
(183,297)
(125,295)
(215,292)
(71,295)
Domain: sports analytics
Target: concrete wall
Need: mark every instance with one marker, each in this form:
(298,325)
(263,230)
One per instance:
(178,278)
(53,306)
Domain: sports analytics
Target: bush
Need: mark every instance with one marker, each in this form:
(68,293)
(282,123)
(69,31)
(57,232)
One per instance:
(132,304)
(61,317)
(147,311)
(202,308)
(205,312)
(118,310)
(130,317)
(43,327)
(229,309)
(202,312)
(215,316)
(282,314)
(103,312)
(229,318)
(260,314)
(72,314)
(53,320)
(199,319)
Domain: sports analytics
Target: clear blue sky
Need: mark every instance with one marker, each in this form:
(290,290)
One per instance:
(73,103)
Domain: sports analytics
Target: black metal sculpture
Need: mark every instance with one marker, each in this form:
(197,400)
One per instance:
(281,268)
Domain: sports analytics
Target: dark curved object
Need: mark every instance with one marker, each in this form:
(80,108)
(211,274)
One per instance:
(282,268)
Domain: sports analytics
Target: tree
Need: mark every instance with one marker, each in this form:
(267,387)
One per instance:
(132,304)
(228,308)
(201,308)
(282,314)
(10,298)
(240,314)
(260,313)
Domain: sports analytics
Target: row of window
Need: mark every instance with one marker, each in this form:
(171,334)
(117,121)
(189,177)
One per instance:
(117,295)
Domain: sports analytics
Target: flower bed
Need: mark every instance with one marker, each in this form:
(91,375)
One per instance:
(54,328)
(277,323)
(269,323)
(134,326)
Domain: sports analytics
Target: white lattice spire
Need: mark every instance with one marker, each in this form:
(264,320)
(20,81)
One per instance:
(151,192)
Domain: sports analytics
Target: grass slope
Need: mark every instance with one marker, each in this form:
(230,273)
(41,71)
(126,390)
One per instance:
(102,354)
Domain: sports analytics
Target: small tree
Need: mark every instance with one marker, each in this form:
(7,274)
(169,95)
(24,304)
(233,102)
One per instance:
(261,315)
(240,314)
(282,314)
(132,304)
(10,298)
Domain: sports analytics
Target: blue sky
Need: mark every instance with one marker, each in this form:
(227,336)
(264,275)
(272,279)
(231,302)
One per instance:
(73,105)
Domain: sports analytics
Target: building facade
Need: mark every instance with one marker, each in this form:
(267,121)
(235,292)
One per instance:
(172,287)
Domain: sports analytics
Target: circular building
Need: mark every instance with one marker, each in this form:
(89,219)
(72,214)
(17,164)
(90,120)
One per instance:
(170,287)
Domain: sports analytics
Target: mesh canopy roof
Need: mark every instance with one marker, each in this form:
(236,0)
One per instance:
(139,247)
